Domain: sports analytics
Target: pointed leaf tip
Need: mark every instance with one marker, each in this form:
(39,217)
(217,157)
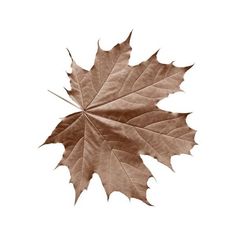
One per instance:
(98,44)
(68,74)
(154,55)
(59,164)
(76,197)
(108,196)
(69,53)
(66,89)
(188,67)
(41,145)
(129,37)
(156,52)
(148,203)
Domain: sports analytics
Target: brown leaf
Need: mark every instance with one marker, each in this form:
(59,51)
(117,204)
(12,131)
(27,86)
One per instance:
(119,121)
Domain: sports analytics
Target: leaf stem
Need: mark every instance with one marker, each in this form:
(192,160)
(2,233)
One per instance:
(64,99)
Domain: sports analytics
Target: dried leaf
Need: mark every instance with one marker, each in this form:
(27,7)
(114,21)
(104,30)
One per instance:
(120,120)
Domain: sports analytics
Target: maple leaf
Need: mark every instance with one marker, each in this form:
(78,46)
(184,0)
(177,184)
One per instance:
(120,120)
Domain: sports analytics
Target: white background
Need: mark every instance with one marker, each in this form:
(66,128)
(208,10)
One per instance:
(199,198)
